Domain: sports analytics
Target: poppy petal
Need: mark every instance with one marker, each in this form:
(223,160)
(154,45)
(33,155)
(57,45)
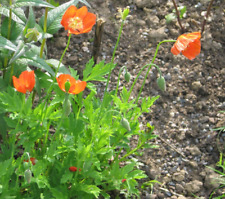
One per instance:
(79,87)
(82,12)
(70,12)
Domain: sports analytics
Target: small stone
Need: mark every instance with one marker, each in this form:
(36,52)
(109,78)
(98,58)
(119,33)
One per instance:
(194,150)
(179,176)
(196,85)
(61,42)
(181,197)
(157,34)
(179,188)
(211,181)
(194,186)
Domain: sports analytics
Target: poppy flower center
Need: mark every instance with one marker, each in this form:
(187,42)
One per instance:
(75,23)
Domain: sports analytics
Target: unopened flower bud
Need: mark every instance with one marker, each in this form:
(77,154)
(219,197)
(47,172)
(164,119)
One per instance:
(127,77)
(124,122)
(67,86)
(32,35)
(161,83)
(28,175)
(125,13)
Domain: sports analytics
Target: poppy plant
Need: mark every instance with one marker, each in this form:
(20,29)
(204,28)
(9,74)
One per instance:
(75,86)
(78,21)
(123,180)
(188,44)
(25,82)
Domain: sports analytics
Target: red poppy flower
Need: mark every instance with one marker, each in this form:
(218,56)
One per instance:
(73,169)
(124,180)
(25,82)
(188,44)
(78,21)
(76,86)
(33,160)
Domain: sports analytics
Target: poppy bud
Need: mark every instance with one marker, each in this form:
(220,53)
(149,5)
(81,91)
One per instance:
(124,180)
(32,35)
(67,86)
(124,122)
(161,83)
(73,169)
(127,77)
(28,175)
(125,13)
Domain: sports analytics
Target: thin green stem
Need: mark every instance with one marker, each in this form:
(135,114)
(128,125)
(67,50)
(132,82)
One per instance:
(131,152)
(113,56)
(45,30)
(150,66)
(118,81)
(50,88)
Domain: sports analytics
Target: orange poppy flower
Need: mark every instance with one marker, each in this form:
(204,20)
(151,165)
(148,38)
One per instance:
(76,86)
(33,160)
(188,44)
(78,21)
(25,82)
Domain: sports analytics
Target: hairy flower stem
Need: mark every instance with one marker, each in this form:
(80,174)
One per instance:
(178,16)
(206,16)
(113,56)
(45,30)
(118,81)
(50,88)
(150,66)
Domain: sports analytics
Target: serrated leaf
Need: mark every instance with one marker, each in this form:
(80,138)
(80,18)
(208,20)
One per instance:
(17,17)
(91,189)
(54,17)
(38,3)
(98,71)
(5,43)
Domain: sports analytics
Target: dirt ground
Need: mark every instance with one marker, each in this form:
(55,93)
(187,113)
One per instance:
(186,114)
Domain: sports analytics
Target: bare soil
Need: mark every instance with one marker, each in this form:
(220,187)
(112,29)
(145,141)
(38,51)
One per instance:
(186,114)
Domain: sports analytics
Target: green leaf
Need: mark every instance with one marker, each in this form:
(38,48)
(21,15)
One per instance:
(182,10)
(91,189)
(54,17)
(54,64)
(16,16)
(66,177)
(31,20)
(98,71)
(5,43)
(21,49)
(30,58)
(38,3)
(15,27)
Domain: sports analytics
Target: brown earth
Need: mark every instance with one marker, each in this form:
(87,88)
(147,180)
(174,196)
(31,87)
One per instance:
(186,114)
